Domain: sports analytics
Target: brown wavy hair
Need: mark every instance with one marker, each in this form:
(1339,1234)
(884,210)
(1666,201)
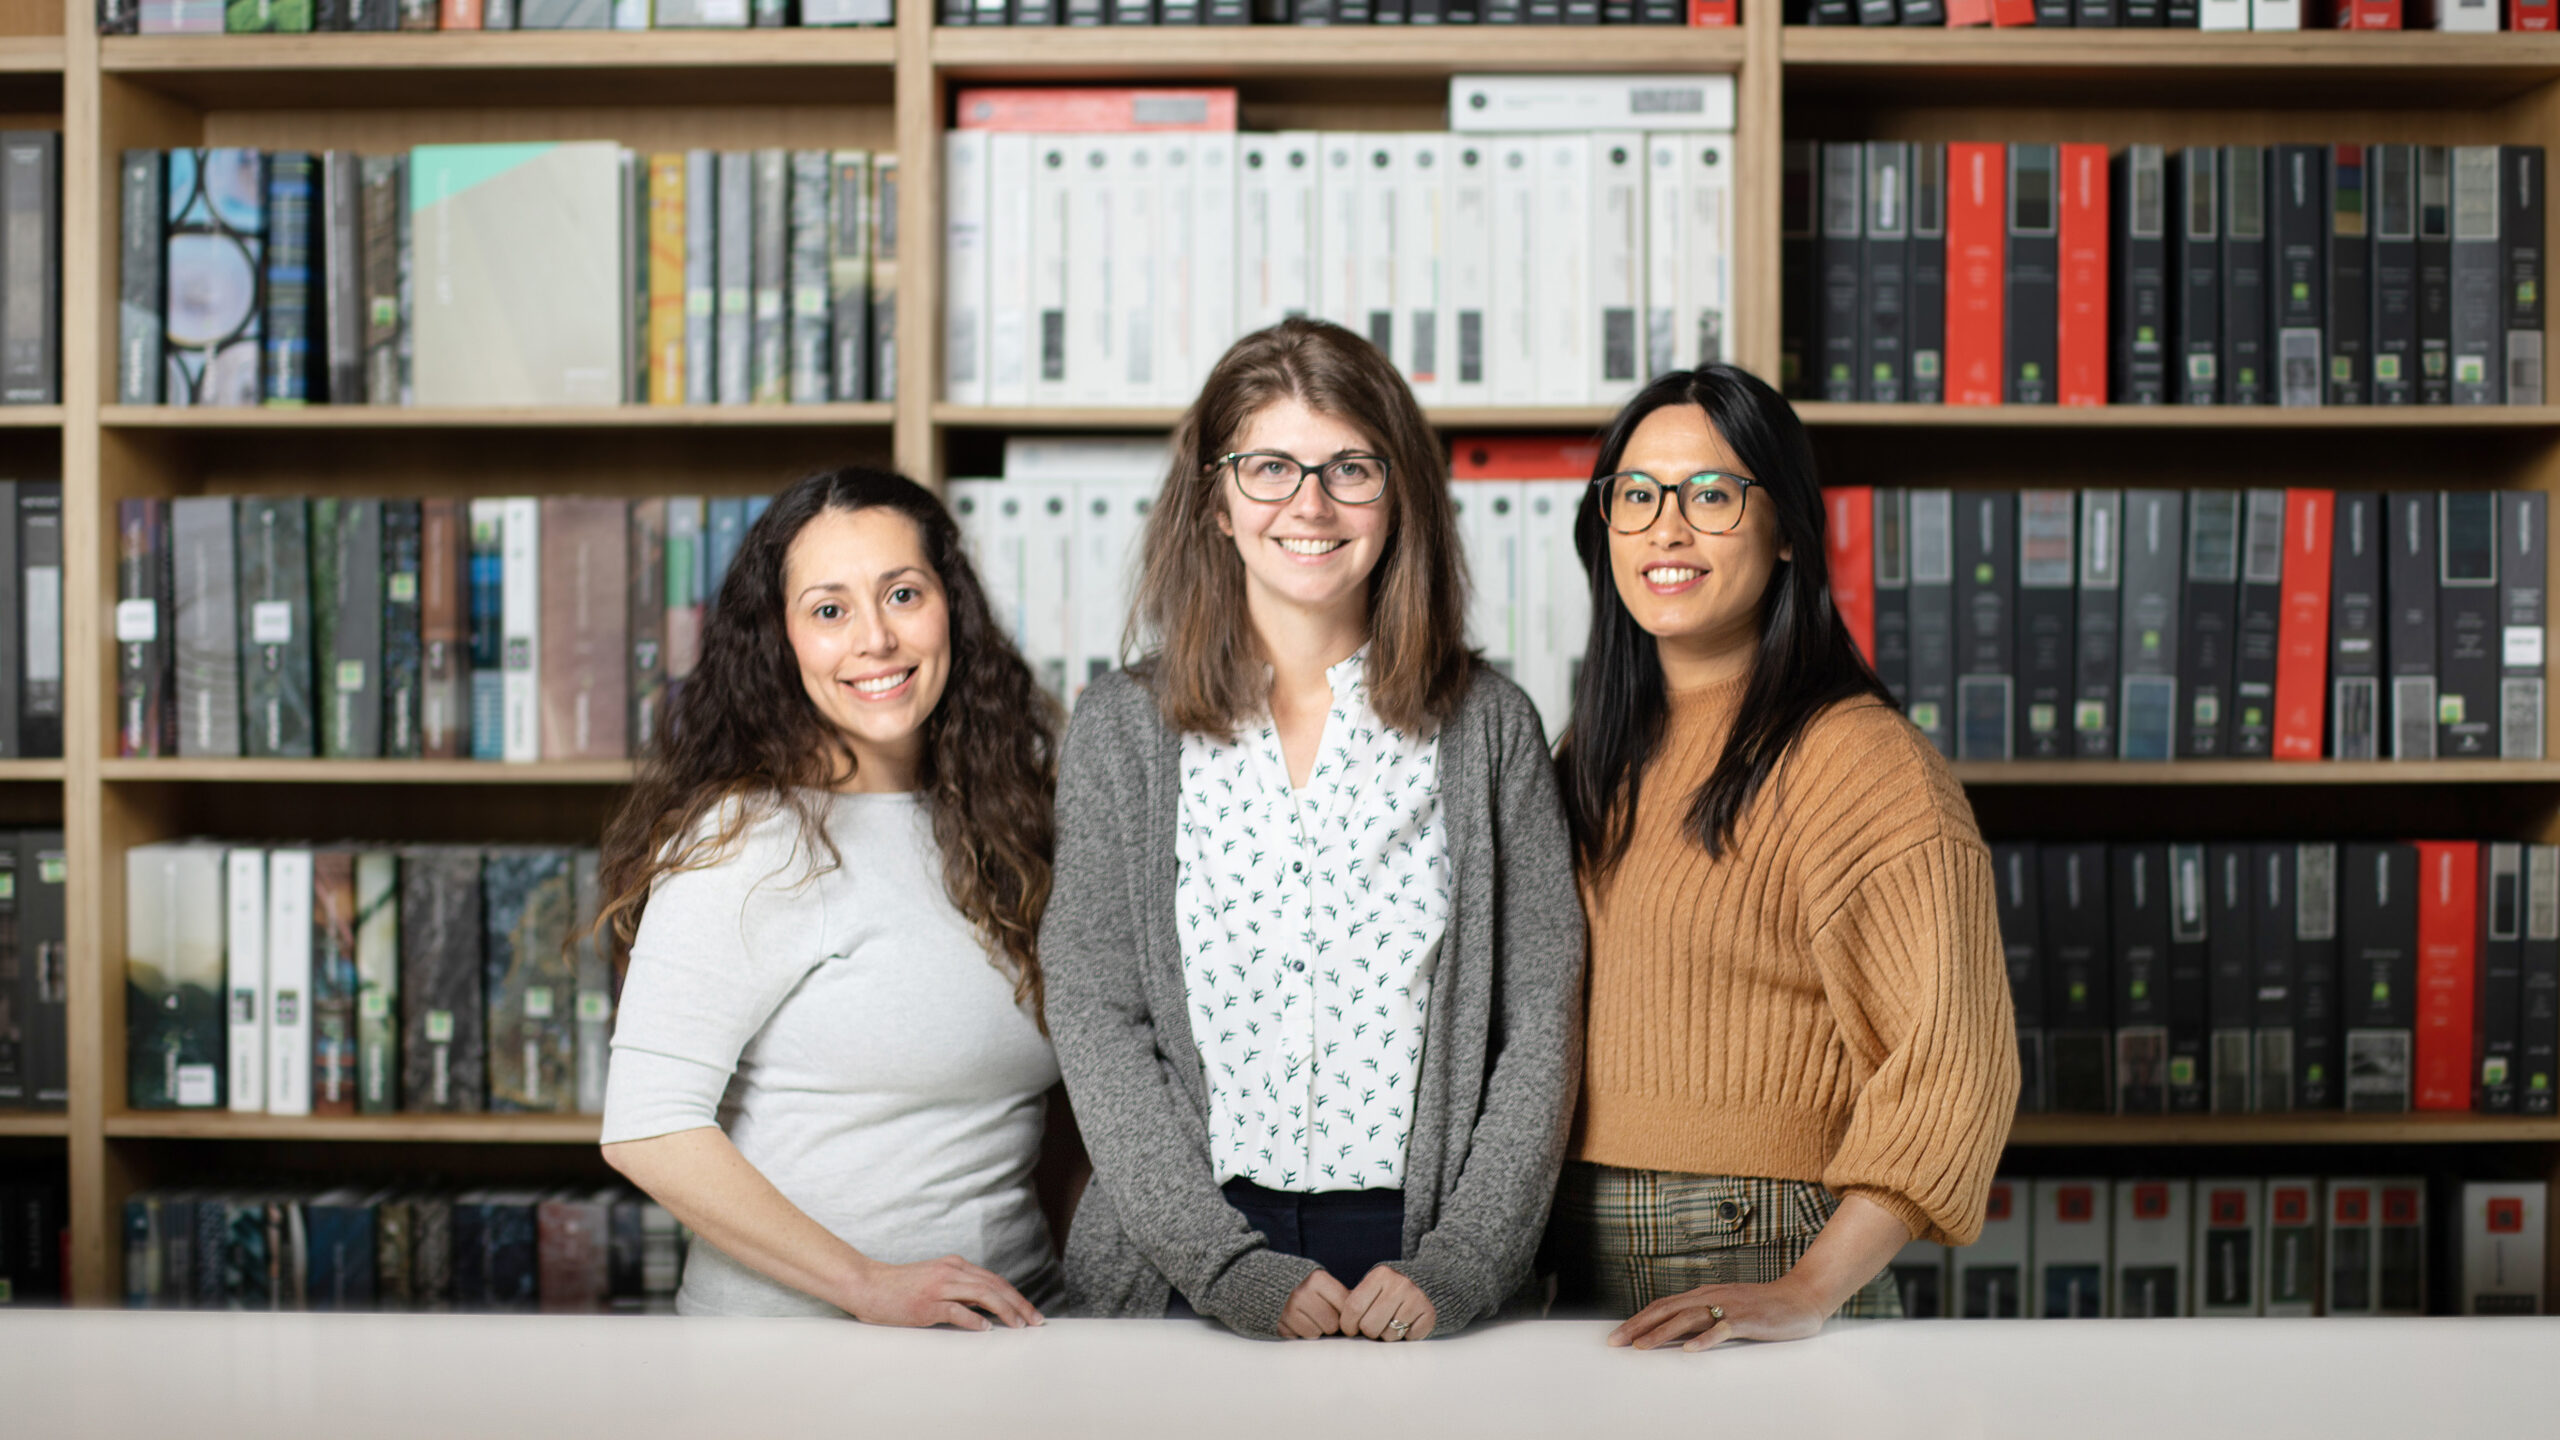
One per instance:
(744,740)
(1207,673)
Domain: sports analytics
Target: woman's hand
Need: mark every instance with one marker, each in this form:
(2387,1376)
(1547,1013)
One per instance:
(948,1291)
(1314,1309)
(1712,1314)
(1385,1301)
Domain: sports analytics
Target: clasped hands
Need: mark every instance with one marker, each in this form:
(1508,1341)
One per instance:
(1384,1306)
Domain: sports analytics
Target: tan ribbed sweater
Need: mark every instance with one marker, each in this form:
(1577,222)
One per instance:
(1828,1001)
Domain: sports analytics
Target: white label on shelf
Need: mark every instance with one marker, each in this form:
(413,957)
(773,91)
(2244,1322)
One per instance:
(196,1085)
(2524,646)
(350,676)
(401,587)
(137,622)
(537,1002)
(439,1027)
(594,1005)
(375,1004)
(271,622)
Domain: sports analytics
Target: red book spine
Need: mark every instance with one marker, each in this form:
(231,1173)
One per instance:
(1977,270)
(2368,14)
(2531,15)
(2013,12)
(2083,348)
(1849,551)
(2302,635)
(1968,12)
(1523,457)
(1714,14)
(2448,947)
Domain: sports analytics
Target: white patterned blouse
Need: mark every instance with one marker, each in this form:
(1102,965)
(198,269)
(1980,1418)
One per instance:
(1310,923)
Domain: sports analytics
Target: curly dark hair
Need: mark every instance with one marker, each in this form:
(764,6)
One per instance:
(744,730)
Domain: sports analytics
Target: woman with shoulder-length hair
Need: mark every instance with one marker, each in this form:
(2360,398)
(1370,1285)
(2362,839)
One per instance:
(1313,950)
(1799,1049)
(828,1059)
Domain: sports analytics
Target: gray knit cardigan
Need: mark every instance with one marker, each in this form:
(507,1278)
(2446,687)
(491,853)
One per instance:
(1500,1058)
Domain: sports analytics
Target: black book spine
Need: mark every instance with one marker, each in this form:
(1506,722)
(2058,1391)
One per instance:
(1986,524)
(2093,702)
(2391,179)
(2211,616)
(2271,1010)
(2244,276)
(1926,321)
(2138,893)
(2498,1000)
(1843,211)
(2187,979)
(40,619)
(2034,301)
(1933,669)
(2198,238)
(403,642)
(44,958)
(1799,226)
(2048,544)
(2435,275)
(2079,986)
(2538,1032)
(2315,978)
(1883,304)
(1834,12)
(2094,14)
(2053,13)
(2467,632)
(1924,12)
(2016,876)
(2478,263)
(2520,235)
(2141,263)
(1879,12)
(119,17)
(2409,630)
(2297,230)
(2524,581)
(12,628)
(2350,278)
(2154,554)
(30,315)
(2230,980)
(2355,628)
(2181,14)
(956,12)
(2142,14)
(1612,12)
(2378,973)
(2253,671)
(1893,592)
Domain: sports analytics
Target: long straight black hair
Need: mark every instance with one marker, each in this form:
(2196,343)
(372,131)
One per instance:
(1807,662)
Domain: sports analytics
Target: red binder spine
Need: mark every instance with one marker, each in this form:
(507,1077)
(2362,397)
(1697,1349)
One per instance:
(2302,634)
(1977,270)
(1713,14)
(2013,12)
(1961,13)
(1849,550)
(2082,354)
(2448,947)
(2531,15)
(2369,14)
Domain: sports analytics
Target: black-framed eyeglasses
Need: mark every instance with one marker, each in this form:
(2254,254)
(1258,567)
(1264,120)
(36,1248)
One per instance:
(1274,478)
(1712,501)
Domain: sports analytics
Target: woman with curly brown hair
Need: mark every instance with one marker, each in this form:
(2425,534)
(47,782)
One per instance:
(828,1060)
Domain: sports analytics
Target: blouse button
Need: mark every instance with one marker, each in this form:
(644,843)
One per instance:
(1298,965)
(1297,867)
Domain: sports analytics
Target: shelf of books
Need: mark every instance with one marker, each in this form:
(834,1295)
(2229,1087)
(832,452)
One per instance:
(811,273)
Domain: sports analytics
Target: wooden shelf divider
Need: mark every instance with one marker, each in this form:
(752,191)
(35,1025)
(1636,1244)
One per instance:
(37,1124)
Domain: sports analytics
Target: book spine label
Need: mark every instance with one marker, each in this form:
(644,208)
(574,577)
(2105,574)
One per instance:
(2523,581)
(2142,278)
(2033,304)
(2302,681)
(2448,944)
(1977,279)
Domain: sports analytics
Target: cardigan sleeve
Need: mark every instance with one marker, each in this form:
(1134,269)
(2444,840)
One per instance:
(1912,966)
(1489,1225)
(1149,1145)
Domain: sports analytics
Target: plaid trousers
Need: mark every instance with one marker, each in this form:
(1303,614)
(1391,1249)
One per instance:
(1622,1239)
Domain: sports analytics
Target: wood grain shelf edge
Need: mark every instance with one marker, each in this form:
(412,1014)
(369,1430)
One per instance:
(2049,1131)
(2257,772)
(407,417)
(2175,50)
(35,1124)
(395,1129)
(795,48)
(1264,50)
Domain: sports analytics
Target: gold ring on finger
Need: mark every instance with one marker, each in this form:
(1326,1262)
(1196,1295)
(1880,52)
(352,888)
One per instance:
(1716,1313)
(1398,1327)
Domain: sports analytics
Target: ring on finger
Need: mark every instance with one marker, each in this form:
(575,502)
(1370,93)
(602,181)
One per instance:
(1716,1313)
(1397,1328)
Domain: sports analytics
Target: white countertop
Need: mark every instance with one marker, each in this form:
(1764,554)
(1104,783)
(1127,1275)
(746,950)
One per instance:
(440,1377)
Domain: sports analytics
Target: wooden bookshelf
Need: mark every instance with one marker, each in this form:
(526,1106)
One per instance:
(393,1129)
(890,89)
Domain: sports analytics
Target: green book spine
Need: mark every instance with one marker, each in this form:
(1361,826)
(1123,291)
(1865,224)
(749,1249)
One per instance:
(377,982)
(531,980)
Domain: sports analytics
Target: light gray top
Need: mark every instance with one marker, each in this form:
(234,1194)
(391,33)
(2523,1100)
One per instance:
(1499,1062)
(848,1031)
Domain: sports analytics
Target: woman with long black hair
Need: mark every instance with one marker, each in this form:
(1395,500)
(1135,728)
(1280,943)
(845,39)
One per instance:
(829,1059)
(1799,1047)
